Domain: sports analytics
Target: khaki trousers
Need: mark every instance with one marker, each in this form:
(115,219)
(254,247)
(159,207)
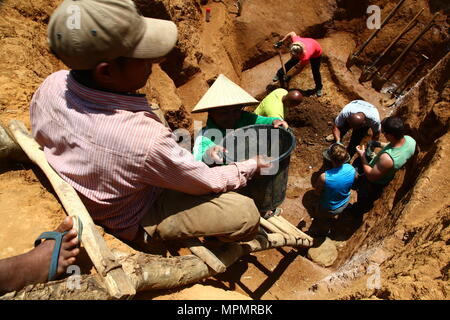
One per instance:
(175,215)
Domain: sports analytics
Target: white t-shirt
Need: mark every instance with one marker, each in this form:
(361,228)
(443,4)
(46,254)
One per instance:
(369,110)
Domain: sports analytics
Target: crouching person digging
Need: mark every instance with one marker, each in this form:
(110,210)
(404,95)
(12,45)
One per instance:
(378,172)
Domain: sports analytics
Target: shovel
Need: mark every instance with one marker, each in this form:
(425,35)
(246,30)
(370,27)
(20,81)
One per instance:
(285,80)
(351,60)
(379,80)
(368,72)
(400,86)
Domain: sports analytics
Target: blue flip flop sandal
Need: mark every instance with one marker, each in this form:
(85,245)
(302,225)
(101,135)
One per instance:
(57,236)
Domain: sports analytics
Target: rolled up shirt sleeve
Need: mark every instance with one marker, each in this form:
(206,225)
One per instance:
(172,167)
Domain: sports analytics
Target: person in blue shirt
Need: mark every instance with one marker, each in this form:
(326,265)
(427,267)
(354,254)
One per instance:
(334,186)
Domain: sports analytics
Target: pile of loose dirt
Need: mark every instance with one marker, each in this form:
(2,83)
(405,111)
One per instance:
(311,122)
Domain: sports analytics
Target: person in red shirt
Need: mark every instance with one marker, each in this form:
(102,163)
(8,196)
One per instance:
(303,50)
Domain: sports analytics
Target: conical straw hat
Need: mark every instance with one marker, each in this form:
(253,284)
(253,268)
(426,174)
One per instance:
(224,93)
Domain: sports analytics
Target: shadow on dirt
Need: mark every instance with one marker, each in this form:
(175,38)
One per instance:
(234,274)
(340,229)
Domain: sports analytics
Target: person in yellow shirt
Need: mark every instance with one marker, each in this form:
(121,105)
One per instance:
(278,102)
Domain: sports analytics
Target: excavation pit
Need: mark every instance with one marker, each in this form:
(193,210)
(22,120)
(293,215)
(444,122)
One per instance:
(406,234)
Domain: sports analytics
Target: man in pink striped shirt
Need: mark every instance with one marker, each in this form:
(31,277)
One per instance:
(107,142)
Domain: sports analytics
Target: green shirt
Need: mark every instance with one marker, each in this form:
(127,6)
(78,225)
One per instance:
(211,134)
(272,104)
(398,155)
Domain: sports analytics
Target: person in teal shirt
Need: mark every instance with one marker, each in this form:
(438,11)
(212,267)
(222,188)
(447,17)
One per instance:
(278,102)
(333,186)
(207,148)
(379,171)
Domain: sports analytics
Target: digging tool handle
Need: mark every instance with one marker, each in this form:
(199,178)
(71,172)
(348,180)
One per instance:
(401,34)
(282,64)
(361,48)
(397,63)
(284,80)
(117,282)
(403,82)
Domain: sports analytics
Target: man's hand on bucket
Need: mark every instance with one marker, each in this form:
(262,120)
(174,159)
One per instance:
(262,163)
(278,123)
(216,154)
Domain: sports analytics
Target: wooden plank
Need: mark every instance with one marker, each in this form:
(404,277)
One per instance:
(269,226)
(283,226)
(294,228)
(116,281)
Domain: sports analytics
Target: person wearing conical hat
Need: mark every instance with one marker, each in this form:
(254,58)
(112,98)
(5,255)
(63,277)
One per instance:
(278,102)
(224,102)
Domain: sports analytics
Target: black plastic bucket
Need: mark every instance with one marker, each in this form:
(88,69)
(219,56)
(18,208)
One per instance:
(269,189)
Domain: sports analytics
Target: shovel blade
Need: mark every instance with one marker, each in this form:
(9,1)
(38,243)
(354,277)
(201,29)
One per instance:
(351,60)
(367,74)
(378,81)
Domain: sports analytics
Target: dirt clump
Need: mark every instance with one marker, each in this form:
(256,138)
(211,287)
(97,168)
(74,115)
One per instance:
(311,122)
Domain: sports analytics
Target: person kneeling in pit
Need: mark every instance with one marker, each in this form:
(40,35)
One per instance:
(333,186)
(377,173)
(224,102)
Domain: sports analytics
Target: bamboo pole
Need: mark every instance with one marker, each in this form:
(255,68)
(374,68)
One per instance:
(283,226)
(269,226)
(294,229)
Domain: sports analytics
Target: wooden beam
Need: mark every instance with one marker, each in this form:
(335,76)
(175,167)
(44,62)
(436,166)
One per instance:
(294,228)
(150,272)
(285,228)
(197,248)
(116,281)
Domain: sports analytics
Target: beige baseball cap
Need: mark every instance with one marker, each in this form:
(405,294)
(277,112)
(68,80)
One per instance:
(83,33)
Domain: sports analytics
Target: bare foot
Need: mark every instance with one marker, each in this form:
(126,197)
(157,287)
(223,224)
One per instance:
(33,266)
